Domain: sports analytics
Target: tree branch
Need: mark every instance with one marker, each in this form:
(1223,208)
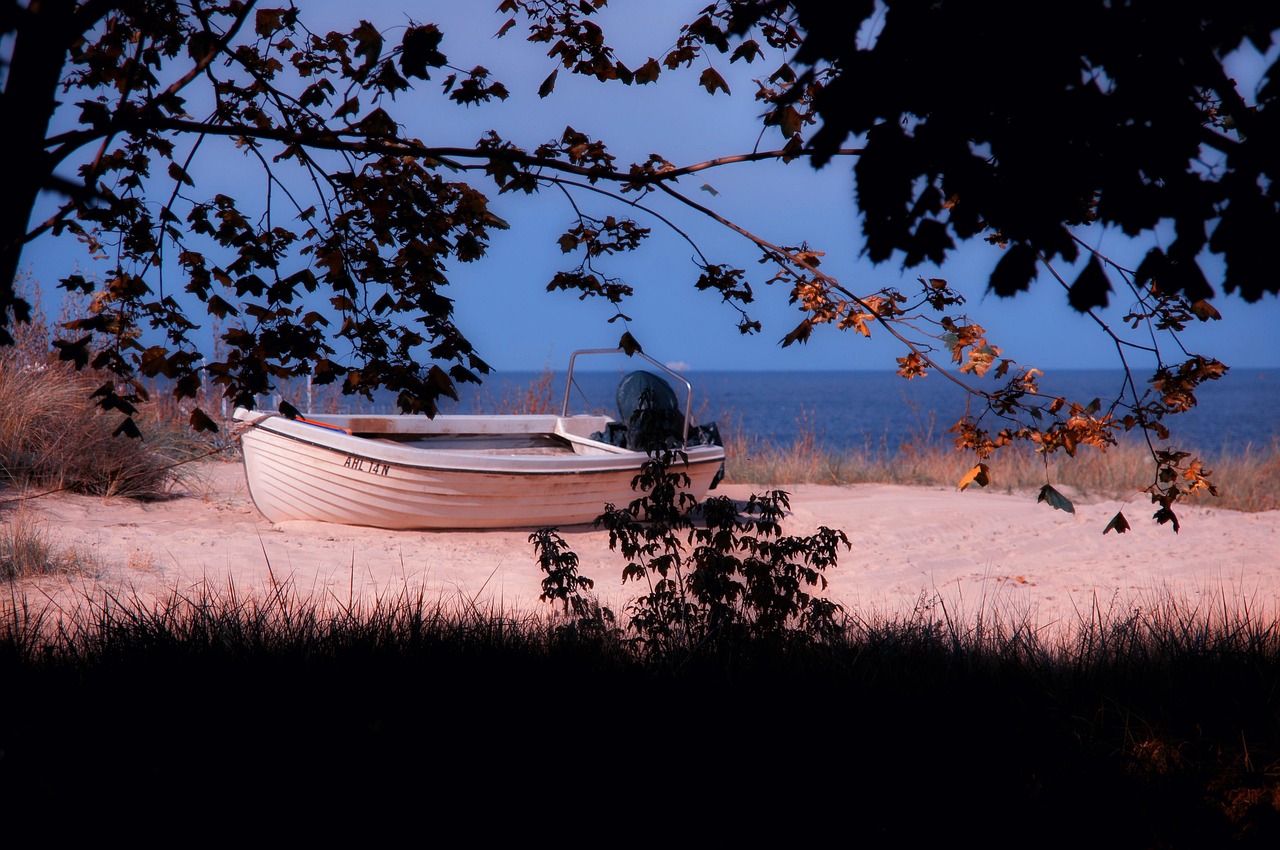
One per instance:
(351,141)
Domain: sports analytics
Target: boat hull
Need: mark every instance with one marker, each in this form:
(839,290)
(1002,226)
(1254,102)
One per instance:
(519,472)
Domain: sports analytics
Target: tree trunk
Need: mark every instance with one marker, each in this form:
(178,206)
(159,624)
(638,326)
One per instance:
(43,34)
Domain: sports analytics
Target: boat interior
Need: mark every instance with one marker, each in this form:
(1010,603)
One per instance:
(504,444)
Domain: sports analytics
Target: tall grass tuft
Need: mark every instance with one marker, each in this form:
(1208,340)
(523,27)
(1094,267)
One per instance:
(54,437)
(536,397)
(1246,476)
(26,549)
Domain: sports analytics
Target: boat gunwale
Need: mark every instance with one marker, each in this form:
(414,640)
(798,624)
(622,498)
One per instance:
(611,459)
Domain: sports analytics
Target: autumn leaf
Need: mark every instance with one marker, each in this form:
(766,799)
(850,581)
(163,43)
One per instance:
(155,361)
(549,84)
(711,80)
(648,72)
(439,379)
(200,421)
(1165,515)
(350,107)
(420,50)
(911,366)
(176,172)
(748,50)
(1118,523)
(785,118)
(1055,499)
(1091,288)
(800,334)
(77,352)
(1014,271)
(129,428)
(267,21)
(1205,311)
(980,475)
(368,42)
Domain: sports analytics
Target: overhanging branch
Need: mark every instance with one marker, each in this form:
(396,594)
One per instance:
(352,141)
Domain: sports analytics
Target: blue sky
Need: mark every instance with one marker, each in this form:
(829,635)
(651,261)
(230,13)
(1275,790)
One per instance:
(516,325)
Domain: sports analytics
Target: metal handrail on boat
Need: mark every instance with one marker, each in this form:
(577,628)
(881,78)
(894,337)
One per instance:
(688,387)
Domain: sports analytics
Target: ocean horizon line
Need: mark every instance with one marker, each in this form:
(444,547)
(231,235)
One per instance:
(842,371)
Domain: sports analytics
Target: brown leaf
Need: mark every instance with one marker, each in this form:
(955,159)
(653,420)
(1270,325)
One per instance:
(441,382)
(420,50)
(368,42)
(77,352)
(711,80)
(1091,288)
(748,50)
(350,107)
(628,344)
(648,72)
(1205,311)
(800,334)
(267,21)
(200,421)
(1166,515)
(785,118)
(549,84)
(1118,523)
(1055,499)
(176,172)
(980,475)
(129,428)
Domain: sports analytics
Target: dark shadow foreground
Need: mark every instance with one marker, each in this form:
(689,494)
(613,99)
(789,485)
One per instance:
(417,725)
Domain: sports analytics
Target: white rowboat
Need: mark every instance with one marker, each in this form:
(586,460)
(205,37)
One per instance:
(452,471)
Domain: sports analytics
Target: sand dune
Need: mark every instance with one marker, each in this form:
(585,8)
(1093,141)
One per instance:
(976,553)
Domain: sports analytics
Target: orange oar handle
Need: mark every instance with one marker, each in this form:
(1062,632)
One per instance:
(324,425)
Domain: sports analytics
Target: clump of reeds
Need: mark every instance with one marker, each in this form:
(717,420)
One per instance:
(1245,476)
(54,437)
(536,397)
(27,549)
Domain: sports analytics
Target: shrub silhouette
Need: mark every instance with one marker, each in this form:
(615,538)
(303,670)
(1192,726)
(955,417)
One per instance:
(717,574)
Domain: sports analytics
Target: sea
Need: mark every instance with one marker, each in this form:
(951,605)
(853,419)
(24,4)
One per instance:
(869,410)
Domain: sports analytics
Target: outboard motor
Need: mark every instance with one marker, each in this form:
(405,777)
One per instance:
(648,406)
(649,418)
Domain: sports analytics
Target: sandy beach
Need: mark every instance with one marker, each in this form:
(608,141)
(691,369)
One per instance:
(975,553)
